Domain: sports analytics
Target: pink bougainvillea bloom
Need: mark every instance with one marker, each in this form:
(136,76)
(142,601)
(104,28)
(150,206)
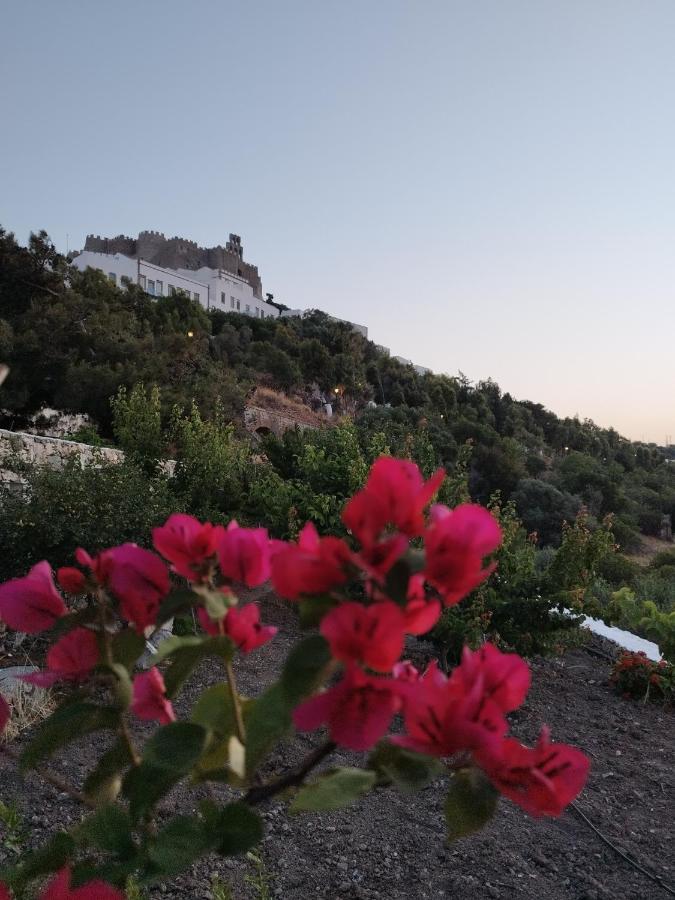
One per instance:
(5,713)
(395,494)
(506,676)
(71,658)
(187,544)
(137,577)
(31,604)
(543,780)
(59,889)
(244,554)
(456,543)
(312,566)
(377,559)
(444,716)
(242,626)
(4,892)
(71,580)
(372,635)
(405,671)
(357,710)
(149,698)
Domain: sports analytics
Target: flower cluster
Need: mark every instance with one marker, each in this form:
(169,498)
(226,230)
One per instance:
(409,559)
(635,675)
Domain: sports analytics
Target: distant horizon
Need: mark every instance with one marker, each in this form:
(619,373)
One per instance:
(488,187)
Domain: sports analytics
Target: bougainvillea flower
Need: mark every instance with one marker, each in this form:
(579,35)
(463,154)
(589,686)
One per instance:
(5,713)
(137,577)
(4,892)
(31,604)
(71,580)
(242,626)
(149,698)
(372,635)
(444,716)
(59,889)
(357,710)
(187,544)
(456,543)
(311,566)
(244,554)
(506,676)
(71,658)
(394,494)
(405,671)
(377,559)
(542,780)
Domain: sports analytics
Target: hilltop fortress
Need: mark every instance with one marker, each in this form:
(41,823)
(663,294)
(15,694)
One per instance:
(179,253)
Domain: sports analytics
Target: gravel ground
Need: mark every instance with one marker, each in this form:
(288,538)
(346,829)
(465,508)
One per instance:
(391,846)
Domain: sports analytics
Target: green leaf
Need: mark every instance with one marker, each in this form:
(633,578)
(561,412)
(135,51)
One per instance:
(113,872)
(62,626)
(127,646)
(186,653)
(122,688)
(303,668)
(237,829)
(214,710)
(396,582)
(268,721)
(101,784)
(145,785)
(179,844)
(216,604)
(65,725)
(313,609)
(175,747)
(470,804)
(177,601)
(335,789)
(409,771)
(49,858)
(269,718)
(109,829)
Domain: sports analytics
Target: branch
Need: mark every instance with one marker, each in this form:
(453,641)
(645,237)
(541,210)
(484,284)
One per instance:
(256,795)
(55,781)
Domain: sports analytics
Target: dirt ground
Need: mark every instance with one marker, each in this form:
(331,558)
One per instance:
(391,846)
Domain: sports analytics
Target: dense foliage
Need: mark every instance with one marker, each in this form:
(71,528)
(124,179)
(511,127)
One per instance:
(73,340)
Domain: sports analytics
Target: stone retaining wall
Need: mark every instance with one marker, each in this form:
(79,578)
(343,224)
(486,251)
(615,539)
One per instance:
(34,449)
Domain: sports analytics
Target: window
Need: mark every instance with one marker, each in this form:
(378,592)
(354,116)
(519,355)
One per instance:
(222,297)
(172,290)
(151,286)
(232,303)
(262,313)
(248,310)
(238,306)
(257,313)
(159,288)
(196,297)
(112,277)
(141,281)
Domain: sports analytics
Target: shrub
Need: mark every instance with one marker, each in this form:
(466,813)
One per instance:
(636,676)
(227,738)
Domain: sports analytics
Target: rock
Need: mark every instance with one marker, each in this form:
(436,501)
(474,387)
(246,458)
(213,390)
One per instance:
(10,684)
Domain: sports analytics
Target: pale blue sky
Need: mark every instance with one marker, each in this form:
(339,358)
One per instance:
(489,186)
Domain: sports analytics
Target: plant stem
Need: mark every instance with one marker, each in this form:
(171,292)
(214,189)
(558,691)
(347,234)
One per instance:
(55,781)
(236,703)
(294,777)
(123,728)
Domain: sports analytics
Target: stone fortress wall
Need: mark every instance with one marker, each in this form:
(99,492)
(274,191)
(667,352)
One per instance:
(180,253)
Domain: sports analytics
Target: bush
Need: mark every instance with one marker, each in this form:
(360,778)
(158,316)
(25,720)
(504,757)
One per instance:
(636,676)
(93,506)
(618,570)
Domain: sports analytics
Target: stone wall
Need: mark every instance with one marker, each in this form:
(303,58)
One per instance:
(263,421)
(34,449)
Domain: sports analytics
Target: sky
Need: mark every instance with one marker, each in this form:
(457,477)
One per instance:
(488,186)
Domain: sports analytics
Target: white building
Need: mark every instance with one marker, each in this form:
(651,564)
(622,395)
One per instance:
(212,288)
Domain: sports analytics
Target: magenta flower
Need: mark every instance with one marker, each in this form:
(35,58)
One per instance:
(31,604)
